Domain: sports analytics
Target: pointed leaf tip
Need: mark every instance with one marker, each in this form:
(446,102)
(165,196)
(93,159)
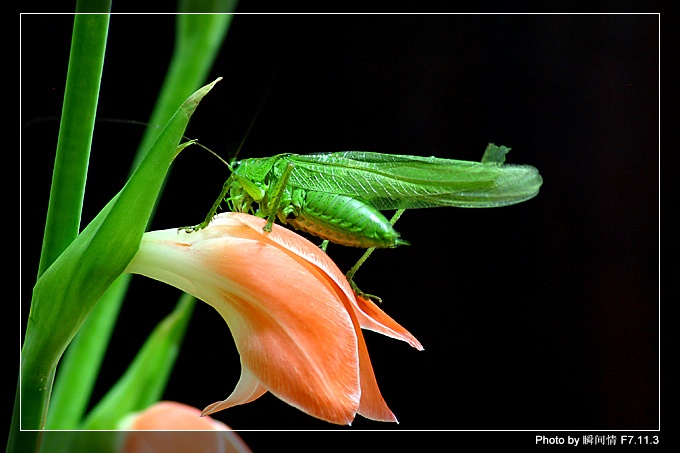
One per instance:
(192,101)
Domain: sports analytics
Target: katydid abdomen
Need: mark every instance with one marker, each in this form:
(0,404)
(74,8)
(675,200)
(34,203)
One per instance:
(343,220)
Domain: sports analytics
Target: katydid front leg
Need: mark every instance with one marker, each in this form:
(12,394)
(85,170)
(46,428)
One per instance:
(275,205)
(213,210)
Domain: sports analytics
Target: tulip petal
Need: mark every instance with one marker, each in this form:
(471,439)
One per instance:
(302,346)
(370,316)
(294,318)
(248,389)
(372,405)
(373,318)
(171,427)
(292,330)
(171,415)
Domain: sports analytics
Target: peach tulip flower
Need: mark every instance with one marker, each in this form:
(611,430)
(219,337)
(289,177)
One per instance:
(295,320)
(148,431)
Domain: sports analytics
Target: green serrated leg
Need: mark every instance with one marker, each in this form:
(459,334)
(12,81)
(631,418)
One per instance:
(275,205)
(324,245)
(362,260)
(213,210)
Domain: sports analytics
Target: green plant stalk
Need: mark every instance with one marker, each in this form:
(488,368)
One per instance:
(69,289)
(140,387)
(62,224)
(81,94)
(82,360)
(79,368)
(206,6)
(198,40)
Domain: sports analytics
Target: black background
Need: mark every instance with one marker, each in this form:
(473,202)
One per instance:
(542,315)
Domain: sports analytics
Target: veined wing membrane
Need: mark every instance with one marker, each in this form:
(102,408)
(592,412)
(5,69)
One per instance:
(390,181)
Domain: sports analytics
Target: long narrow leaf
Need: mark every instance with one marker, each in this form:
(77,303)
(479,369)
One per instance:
(75,135)
(83,358)
(142,384)
(80,365)
(68,290)
(198,39)
(88,45)
(145,379)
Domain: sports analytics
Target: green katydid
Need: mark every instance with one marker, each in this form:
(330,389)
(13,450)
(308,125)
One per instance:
(338,196)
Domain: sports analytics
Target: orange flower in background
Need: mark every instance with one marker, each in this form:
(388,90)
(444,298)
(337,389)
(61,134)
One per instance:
(148,431)
(295,320)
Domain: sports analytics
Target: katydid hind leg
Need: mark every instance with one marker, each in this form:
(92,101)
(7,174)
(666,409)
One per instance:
(353,270)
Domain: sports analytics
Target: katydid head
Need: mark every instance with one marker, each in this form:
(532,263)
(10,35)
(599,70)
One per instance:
(243,178)
(243,190)
(243,187)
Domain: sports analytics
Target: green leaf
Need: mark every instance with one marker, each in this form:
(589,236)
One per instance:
(81,94)
(198,40)
(88,45)
(79,368)
(69,289)
(144,381)
(83,358)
